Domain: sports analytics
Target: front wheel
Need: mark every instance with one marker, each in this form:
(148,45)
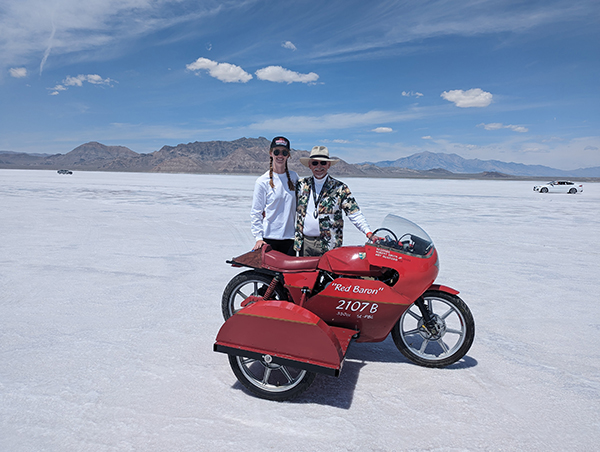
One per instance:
(441,343)
(268,380)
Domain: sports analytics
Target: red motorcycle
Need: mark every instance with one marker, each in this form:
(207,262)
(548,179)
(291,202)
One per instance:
(292,317)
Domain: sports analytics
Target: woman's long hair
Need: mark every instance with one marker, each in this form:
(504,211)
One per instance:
(287,172)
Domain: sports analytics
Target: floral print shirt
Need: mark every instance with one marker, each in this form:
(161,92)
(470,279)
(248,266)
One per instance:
(336,199)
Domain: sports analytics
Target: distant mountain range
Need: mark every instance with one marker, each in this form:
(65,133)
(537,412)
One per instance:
(456,164)
(251,156)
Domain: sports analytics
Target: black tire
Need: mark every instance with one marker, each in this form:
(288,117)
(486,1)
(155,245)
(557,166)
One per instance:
(544,190)
(243,285)
(456,331)
(268,380)
(572,191)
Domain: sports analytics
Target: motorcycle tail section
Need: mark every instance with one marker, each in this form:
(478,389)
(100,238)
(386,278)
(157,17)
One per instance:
(287,334)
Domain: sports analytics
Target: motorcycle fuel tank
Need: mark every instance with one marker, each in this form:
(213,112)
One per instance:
(348,260)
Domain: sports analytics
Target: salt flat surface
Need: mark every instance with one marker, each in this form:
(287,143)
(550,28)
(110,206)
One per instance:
(110,289)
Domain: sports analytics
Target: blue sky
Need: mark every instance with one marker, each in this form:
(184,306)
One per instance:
(508,80)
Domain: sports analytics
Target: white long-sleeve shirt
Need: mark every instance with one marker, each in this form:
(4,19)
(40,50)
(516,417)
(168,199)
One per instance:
(278,204)
(311,224)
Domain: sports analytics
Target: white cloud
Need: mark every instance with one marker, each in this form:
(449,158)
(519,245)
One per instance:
(383,29)
(18,72)
(428,137)
(412,94)
(57,89)
(336,141)
(288,45)
(280,75)
(491,126)
(337,121)
(499,125)
(94,79)
(475,97)
(36,29)
(382,130)
(228,73)
(39,29)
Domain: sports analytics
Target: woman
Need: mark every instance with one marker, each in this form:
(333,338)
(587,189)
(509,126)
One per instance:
(274,202)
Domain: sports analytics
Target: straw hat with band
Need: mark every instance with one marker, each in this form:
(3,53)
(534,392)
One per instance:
(318,153)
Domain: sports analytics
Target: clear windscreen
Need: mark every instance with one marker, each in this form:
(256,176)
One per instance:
(403,235)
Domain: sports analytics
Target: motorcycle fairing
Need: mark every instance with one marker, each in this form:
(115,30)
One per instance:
(370,290)
(370,306)
(416,273)
(286,333)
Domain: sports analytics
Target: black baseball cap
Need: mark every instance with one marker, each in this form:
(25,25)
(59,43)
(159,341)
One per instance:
(280,141)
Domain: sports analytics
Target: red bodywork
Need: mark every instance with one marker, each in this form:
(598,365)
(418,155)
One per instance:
(312,330)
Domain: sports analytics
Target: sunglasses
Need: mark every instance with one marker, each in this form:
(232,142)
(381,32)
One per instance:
(284,152)
(316,162)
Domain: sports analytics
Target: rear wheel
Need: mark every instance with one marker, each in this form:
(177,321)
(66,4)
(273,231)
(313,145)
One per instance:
(268,380)
(441,343)
(244,285)
(572,191)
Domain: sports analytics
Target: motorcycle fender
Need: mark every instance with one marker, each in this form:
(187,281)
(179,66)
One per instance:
(442,288)
(284,333)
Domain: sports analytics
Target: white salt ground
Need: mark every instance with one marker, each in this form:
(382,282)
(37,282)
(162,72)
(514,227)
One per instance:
(110,289)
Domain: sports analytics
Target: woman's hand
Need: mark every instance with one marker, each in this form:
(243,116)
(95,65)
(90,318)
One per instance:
(258,245)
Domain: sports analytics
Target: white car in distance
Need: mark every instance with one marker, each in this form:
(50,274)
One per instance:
(559,186)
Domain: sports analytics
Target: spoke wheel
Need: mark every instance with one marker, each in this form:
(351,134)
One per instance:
(244,285)
(268,380)
(442,343)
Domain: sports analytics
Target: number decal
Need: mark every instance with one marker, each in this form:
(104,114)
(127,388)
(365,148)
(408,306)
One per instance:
(357,306)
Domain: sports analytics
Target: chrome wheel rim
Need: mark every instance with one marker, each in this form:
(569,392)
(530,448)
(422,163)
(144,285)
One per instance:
(269,376)
(254,287)
(438,343)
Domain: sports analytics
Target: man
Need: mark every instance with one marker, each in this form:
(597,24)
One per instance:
(322,200)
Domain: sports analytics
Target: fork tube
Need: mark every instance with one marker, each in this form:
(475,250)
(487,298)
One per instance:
(424,312)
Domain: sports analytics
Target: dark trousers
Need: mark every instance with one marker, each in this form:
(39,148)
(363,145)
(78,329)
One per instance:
(285,246)
(311,246)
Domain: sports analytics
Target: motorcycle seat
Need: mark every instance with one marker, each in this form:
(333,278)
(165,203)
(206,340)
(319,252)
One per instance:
(281,262)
